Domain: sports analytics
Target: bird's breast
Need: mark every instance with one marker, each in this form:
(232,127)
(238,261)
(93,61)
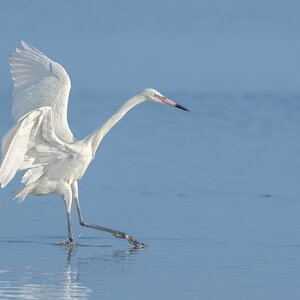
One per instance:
(72,167)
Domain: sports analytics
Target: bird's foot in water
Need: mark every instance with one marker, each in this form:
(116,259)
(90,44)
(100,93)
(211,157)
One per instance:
(130,239)
(67,243)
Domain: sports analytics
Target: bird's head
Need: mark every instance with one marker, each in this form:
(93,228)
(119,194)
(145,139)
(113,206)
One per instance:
(155,96)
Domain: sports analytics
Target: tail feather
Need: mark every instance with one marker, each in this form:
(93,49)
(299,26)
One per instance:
(21,194)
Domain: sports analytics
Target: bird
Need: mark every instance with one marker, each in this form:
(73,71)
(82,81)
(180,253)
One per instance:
(41,143)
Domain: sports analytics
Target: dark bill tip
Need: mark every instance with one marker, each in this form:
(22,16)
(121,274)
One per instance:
(181,107)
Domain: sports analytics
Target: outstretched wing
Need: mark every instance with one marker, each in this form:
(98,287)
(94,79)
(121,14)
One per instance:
(38,82)
(30,144)
(14,146)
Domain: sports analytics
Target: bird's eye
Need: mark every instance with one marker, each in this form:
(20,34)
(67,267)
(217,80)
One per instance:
(159,96)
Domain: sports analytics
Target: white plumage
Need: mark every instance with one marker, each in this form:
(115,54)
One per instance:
(41,141)
(39,81)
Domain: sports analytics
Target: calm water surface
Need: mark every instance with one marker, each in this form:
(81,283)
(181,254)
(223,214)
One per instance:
(214,193)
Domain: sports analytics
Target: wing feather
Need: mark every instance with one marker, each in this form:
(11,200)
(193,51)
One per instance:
(39,82)
(31,144)
(14,146)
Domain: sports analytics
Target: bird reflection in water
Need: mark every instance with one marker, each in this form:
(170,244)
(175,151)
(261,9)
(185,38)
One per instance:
(30,282)
(65,285)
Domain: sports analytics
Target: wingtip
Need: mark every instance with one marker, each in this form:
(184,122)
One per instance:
(24,44)
(4,181)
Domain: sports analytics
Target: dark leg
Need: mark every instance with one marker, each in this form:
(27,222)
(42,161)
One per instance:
(70,234)
(115,233)
(67,196)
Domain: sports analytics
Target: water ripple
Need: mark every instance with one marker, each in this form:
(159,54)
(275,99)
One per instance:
(10,290)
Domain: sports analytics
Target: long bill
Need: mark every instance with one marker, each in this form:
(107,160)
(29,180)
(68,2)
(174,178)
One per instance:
(172,103)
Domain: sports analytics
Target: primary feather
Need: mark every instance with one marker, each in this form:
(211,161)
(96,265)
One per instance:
(38,82)
(14,147)
(33,145)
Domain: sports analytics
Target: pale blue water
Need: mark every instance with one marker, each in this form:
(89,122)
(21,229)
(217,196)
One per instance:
(213,192)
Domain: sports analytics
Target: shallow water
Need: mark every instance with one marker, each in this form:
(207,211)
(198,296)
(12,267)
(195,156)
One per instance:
(214,193)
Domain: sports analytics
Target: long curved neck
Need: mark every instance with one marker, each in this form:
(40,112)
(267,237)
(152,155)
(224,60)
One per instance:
(96,137)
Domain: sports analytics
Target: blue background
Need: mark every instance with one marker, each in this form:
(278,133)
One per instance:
(213,192)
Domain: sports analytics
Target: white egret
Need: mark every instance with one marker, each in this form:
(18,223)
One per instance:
(41,141)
